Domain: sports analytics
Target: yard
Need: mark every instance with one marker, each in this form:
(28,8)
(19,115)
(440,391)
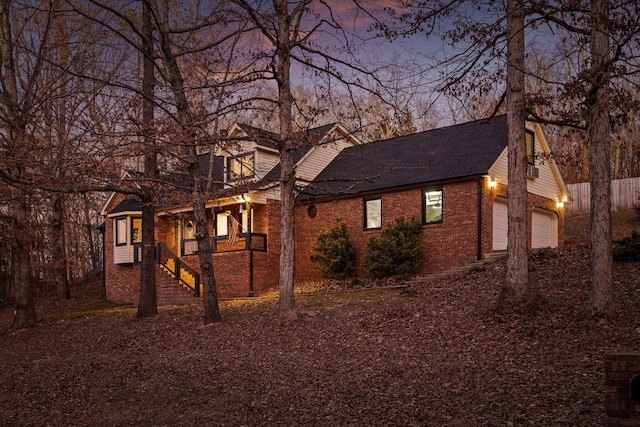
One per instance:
(433,354)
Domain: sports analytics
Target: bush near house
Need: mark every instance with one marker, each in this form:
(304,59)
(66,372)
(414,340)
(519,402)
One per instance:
(336,255)
(396,251)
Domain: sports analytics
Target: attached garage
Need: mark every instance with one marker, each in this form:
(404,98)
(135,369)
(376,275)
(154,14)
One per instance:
(544,229)
(499,224)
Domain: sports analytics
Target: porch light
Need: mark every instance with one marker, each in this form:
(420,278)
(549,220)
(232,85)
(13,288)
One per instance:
(243,198)
(492,182)
(561,202)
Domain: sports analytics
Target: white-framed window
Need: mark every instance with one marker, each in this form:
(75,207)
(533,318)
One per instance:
(121,230)
(432,206)
(222,223)
(241,166)
(372,213)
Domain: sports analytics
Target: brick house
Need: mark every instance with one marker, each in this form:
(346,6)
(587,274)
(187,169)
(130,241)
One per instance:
(453,179)
(243,219)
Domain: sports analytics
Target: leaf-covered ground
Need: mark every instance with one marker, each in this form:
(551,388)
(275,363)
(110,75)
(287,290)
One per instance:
(434,354)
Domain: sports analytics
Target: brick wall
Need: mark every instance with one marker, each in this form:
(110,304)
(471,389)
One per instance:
(445,246)
(619,370)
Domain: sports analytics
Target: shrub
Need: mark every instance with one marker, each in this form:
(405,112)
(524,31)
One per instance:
(395,252)
(627,248)
(336,255)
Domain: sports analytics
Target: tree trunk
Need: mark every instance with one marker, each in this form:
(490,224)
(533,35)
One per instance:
(517,280)
(17,146)
(189,133)
(601,281)
(59,250)
(25,312)
(148,304)
(205,255)
(287,174)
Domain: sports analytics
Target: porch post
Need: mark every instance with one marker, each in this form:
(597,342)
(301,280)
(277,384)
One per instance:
(250,246)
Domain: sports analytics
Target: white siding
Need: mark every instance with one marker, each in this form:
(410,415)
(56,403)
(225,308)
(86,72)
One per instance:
(265,161)
(545,185)
(123,254)
(318,159)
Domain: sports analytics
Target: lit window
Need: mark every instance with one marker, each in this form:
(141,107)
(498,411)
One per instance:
(189,229)
(222,223)
(136,230)
(241,166)
(432,204)
(372,213)
(530,139)
(121,231)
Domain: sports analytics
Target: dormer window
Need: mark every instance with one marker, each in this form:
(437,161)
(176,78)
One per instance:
(241,166)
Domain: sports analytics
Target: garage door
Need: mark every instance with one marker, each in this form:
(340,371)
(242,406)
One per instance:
(544,229)
(499,225)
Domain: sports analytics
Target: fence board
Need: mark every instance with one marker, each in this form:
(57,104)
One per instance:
(625,194)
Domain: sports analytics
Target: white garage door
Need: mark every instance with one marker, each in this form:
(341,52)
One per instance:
(499,225)
(544,229)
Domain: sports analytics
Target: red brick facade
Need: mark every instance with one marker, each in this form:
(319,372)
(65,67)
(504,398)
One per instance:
(445,246)
(232,269)
(621,399)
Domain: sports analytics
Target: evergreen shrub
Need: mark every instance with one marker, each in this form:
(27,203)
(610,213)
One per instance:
(336,254)
(396,251)
(627,248)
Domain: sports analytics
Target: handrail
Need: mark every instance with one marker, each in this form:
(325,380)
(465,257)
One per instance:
(179,264)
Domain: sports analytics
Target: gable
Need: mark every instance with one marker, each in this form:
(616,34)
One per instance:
(548,183)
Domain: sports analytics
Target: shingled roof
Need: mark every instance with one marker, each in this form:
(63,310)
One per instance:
(449,153)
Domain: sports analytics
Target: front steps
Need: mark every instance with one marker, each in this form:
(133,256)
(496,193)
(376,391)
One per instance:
(170,290)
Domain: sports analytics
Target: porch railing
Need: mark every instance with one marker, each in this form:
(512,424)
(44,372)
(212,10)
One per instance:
(257,242)
(176,266)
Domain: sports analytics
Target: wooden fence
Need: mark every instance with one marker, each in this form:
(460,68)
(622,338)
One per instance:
(625,193)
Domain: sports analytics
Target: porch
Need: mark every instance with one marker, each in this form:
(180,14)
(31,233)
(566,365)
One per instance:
(234,266)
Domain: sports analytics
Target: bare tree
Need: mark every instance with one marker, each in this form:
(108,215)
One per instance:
(292,31)
(600,285)
(517,281)
(19,90)
(148,304)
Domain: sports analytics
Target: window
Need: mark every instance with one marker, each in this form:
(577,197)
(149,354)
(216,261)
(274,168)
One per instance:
(432,206)
(121,231)
(222,223)
(245,217)
(136,230)
(530,139)
(372,213)
(189,229)
(240,166)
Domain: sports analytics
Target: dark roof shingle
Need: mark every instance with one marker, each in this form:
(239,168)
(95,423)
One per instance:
(448,153)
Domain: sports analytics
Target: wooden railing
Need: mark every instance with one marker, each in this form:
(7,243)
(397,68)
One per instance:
(182,271)
(258,242)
